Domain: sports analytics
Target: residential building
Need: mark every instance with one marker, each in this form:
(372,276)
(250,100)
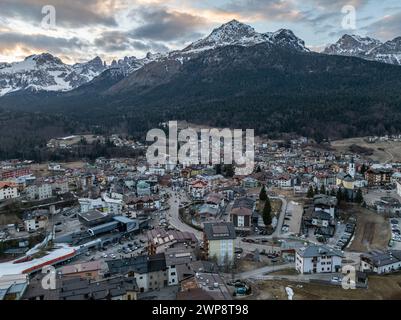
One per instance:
(35,220)
(159,239)
(150,272)
(241,214)
(318,259)
(85,270)
(378,176)
(250,183)
(45,191)
(77,288)
(198,189)
(143,188)
(8,190)
(219,242)
(381,262)
(325,203)
(177,262)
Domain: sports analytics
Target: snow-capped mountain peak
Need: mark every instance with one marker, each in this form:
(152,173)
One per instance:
(367,48)
(45,72)
(237,33)
(231,31)
(352,45)
(287,37)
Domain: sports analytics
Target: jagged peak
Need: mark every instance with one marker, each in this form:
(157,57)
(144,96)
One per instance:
(44,57)
(238,33)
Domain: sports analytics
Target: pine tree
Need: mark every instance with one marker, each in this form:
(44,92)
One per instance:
(359,196)
(263,194)
(339,195)
(316,190)
(267,213)
(310,193)
(364,169)
(229,171)
(322,189)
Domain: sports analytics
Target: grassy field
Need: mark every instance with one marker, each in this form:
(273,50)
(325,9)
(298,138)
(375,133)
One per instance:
(382,151)
(41,170)
(379,288)
(372,231)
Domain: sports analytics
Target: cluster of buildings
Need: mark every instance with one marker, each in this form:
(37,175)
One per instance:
(112,200)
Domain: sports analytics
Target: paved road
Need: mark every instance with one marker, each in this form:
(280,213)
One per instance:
(261,271)
(173,216)
(299,277)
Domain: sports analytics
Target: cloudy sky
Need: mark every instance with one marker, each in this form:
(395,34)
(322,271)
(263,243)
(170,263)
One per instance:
(116,28)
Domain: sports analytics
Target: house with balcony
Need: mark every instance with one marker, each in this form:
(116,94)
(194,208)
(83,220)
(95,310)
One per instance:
(318,259)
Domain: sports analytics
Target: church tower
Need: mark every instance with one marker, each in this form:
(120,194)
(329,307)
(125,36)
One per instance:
(351,168)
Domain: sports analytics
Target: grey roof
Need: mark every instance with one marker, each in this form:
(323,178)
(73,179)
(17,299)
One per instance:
(317,251)
(322,215)
(139,264)
(325,200)
(379,259)
(219,230)
(177,256)
(81,289)
(207,209)
(244,203)
(92,215)
(123,219)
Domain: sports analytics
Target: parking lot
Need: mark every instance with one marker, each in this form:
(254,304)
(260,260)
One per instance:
(395,233)
(135,245)
(293,218)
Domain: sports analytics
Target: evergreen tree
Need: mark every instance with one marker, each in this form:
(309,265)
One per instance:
(263,194)
(267,213)
(229,171)
(359,196)
(316,190)
(339,195)
(322,189)
(310,193)
(364,168)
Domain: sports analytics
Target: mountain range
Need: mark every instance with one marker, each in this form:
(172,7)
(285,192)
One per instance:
(367,48)
(45,72)
(235,77)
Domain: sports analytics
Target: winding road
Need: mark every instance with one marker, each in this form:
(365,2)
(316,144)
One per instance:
(174,218)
